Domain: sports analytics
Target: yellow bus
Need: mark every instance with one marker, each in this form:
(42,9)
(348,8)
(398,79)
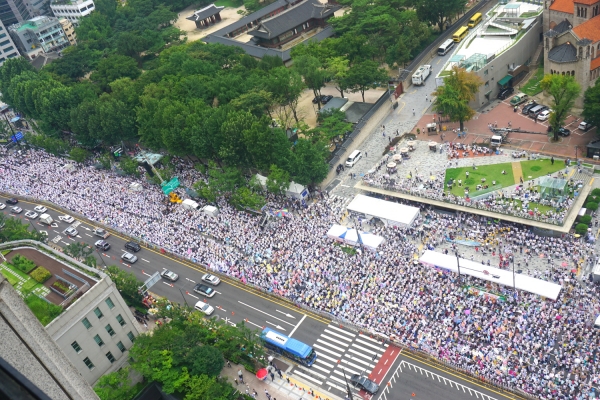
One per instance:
(475,19)
(460,34)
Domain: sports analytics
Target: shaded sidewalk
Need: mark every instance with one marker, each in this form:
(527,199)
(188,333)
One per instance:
(284,388)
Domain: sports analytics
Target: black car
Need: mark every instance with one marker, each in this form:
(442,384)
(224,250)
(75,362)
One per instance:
(325,98)
(316,100)
(204,290)
(504,93)
(561,131)
(12,201)
(364,383)
(527,107)
(133,246)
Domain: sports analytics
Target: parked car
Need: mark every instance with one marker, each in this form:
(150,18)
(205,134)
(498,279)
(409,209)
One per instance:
(204,290)
(130,258)
(40,209)
(169,275)
(102,245)
(213,280)
(2,206)
(584,126)
(561,131)
(527,107)
(544,115)
(31,214)
(16,210)
(362,382)
(71,232)
(504,93)
(12,201)
(325,98)
(518,99)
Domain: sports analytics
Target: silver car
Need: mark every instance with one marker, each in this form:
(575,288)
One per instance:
(71,232)
(40,209)
(169,275)
(16,210)
(130,258)
(213,280)
(31,215)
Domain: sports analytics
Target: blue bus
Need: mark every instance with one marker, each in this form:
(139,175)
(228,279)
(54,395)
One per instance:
(288,347)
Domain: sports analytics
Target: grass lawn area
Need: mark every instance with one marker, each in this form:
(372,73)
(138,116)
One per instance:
(532,87)
(228,3)
(29,284)
(541,167)
(489,172)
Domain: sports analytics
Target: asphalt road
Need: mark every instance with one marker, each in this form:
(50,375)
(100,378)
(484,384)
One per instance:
(339,349)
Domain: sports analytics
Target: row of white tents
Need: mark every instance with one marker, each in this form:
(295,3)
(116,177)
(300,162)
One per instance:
(354,237)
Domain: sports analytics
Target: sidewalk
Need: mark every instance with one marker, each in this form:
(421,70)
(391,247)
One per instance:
(280,389)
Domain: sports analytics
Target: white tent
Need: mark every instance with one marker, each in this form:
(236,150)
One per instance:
(336,231)
(70,168)
(295,190)
(491,274)
(136,187)
(350,236)
(390,213)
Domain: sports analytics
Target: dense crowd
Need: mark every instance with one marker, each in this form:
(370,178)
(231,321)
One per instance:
(546,348)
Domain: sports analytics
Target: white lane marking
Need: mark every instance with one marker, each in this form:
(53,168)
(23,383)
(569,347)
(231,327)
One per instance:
(341,330)
(338,355)
(286,314)
(366,367)
(261,311)
(310,372)
(62,241)
(321,355)
(357,360)
(88,234)
(332,346)
(319,367)
(145,260)
(368,338)
(297,325)
(362,354)
(378,348)
(310,378)
(330,339)
(335,334)
(276,326)
(348,370)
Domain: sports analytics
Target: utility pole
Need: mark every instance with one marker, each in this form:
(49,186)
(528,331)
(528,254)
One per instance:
(457,263)
(349,392)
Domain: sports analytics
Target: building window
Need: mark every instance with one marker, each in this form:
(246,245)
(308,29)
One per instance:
(86,323)
(110,330)
(89,363)
(485,72)
(130,336)
(76,347)
(99,340)
(98,313)
(110,357)
(487,84)
(121,347)
(121,320)
(109,303)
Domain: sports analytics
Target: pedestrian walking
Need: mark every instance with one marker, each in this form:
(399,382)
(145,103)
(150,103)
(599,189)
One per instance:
(279,373)
(228,364)
(426,98)
(552,160)
(241,376)
(414,112)
(272,376)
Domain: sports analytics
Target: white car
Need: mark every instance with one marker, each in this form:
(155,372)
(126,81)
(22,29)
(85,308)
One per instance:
(31,215)
(205,308)
(16,210)
(2,206)
(544,115)
(71,232)
(170,275)
(130,258)
(66,218)
(40,209)
(213,280)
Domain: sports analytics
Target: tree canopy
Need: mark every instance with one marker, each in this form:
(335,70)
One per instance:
(564,90)
(591,105)
(454,95)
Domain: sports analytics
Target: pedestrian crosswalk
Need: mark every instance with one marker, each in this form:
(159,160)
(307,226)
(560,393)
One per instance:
(341,351)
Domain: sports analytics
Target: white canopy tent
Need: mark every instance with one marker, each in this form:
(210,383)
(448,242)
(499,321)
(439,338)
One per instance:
(491,274)
(350,236)
(390,213)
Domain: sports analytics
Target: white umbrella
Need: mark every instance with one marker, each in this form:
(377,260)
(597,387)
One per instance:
(391,165)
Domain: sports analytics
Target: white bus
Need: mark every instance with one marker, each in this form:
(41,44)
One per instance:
(445,47)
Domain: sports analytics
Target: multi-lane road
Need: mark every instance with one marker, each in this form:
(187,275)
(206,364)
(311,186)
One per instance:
(340,350)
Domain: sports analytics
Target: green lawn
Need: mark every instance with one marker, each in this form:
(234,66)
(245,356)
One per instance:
(29,285)
(228,3)
(541,167)
(532,87)
(489,172)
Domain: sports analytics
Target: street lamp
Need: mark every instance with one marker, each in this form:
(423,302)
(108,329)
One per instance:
(348,391)
(457,263)
(101,258)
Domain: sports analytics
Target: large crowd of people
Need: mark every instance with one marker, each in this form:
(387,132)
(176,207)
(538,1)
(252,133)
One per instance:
(546,348)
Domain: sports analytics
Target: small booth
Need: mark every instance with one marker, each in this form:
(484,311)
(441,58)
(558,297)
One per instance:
(431,128)
(411,145)
(433,146)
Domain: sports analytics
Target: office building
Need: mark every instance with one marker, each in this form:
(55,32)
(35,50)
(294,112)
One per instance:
(39,35)
(72,10)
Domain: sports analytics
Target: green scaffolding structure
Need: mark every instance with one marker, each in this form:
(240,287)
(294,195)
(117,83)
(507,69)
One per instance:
(474,63)
(553,188)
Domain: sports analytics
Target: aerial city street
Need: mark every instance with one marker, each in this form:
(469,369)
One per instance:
(302,199)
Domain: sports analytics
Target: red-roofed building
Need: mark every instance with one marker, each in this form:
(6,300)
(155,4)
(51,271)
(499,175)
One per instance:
(572,40)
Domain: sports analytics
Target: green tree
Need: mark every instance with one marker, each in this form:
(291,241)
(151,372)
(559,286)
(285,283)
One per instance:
(127,284)
(439,12)
(564,90)
(114,67)
(129,166)
(332,124)
(454,96)
(78,250)
(308,162)
(78,154)
(13,229)
(243,198)
(365,75)
(313,73)
(591,105)
(286,86)
(205,360)
(278,180)
(338,68)
(116,385)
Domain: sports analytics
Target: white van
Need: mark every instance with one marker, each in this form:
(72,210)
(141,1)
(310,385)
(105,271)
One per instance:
(496,141)
(353,159)
(204,307)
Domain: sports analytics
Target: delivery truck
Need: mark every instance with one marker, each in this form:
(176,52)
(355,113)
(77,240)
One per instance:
(46,219)
(188,204)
